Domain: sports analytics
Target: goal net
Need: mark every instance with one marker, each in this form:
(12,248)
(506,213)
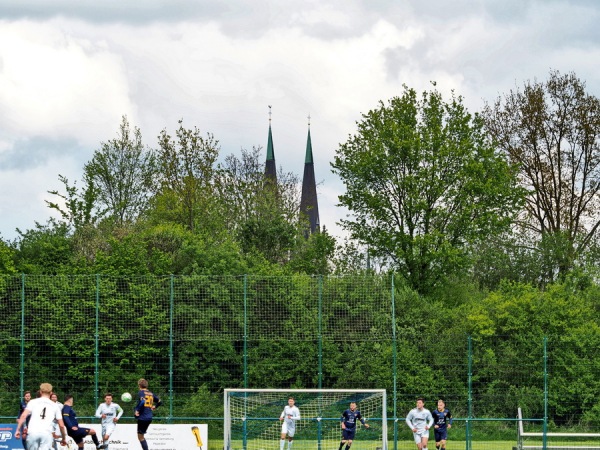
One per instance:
(251,418)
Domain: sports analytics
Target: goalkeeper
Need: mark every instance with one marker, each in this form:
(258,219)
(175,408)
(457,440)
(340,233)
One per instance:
(289,416)
(348,420)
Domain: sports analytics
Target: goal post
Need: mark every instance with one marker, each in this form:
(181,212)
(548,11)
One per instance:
(251,418)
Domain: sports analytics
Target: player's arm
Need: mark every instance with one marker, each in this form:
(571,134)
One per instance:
(119,411)
(295,414)
(363,421)
(141,403)
(68,420)
(61,426)
(449,418)
(409,419)
(429,420)
(99,411)
(343,420)
(157,401)
(21,421)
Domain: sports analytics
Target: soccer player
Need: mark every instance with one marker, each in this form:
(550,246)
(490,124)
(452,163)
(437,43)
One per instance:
(442,418)
(43,413)
(110,413)
(419,420)
(348,420)
(73,429)
(289,416)
(146,404)
(22,406)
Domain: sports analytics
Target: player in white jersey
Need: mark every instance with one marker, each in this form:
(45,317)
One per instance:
(420,420)
(110,413)
(56,429)
(43,414)
(289,416)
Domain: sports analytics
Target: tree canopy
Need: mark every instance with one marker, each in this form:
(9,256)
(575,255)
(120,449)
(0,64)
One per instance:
(423,182)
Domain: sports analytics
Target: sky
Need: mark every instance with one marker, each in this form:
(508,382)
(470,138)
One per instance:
(71,69)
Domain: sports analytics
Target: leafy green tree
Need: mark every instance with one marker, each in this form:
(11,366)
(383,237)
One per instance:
(262,217)
(7,264)
(46,249)
(187,175)
(77,207)
(551,131)
(423,183)
(123,173)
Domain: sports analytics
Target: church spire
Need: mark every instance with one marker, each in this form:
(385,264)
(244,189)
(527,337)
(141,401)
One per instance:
(309,207)
(270,166)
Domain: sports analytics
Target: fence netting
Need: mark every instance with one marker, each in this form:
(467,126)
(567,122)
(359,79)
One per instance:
(194,336)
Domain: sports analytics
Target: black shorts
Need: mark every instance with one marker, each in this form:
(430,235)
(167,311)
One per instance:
(142,426)
(79,434)
(441,434)
(348,434)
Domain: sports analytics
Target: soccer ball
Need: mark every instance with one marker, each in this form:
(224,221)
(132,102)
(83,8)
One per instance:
(126,397)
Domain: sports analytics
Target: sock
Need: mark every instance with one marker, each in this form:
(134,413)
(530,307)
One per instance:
(144,444)
(95,439)
(289,445)
(348,447)
(341,445)
(281,444)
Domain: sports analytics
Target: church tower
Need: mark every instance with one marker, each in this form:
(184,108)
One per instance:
(309,207)
(270,166)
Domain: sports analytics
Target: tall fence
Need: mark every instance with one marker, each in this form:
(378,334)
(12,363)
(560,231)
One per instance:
(193,336)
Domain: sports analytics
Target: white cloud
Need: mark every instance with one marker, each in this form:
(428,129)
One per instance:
(58,85)
(67,77)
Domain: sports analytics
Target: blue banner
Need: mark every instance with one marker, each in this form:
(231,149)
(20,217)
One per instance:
(7,437)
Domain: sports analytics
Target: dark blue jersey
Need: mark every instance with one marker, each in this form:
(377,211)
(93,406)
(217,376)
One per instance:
(350,418)
(21,409)
(441,418)
(146,403)
(69,417)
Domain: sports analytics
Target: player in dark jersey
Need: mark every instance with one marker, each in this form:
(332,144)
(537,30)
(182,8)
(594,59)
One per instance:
(72,425)
(26,398)
(442,420)
(147,402)
(348,420)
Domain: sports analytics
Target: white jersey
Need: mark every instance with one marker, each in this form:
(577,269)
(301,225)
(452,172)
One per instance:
(419,419)
(43,414)
(289,415)
(56,428)
(111,411)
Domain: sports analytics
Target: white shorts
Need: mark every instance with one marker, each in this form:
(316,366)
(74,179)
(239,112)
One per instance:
(108,428)
(420,434)
(40,441)
(289,430)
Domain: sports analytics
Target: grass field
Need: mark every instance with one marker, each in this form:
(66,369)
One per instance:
(368,445)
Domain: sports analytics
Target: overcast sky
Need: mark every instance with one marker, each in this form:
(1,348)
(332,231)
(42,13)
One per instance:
(70,69)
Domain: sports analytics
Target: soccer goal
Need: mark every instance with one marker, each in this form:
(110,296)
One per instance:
(560,441)
(251,418)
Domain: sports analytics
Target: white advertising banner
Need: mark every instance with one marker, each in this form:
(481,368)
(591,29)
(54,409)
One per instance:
(159,436)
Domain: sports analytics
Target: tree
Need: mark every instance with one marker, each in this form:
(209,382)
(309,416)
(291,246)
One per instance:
(123,173)
(187,169)
(423,183)
(551,130)
(262,217)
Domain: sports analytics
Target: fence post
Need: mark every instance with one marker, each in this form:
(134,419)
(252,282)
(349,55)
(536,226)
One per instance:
(545,424)
(394,364)
(245,332)
(171,356)
(22,356)
(97,342)
(470,392)
(320,337)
